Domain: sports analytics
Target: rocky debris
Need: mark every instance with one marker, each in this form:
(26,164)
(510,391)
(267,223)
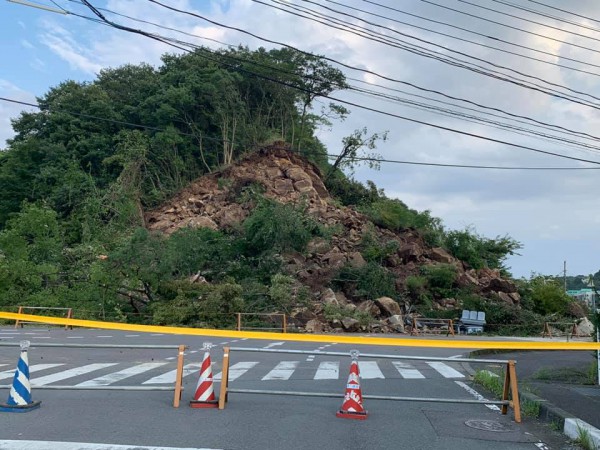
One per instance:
(388,306)
(395,323)
(350,324)
(216,201)
(585,327)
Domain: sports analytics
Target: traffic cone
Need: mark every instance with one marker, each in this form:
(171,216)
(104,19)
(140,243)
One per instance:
(205,394)
(352,408)
(19,397)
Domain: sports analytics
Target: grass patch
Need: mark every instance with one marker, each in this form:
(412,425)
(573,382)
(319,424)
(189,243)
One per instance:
(584,440)
(494,382)
(571,375)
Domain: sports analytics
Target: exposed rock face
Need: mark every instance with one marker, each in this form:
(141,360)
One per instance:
(213,202)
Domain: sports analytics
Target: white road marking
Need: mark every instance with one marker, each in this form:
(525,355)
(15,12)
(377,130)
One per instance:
(310,358)
(44,445)
(328,370)
(103,336)
(237,370)
(156,334)
(273,344)
(407,371)
(224,342)
(32,369)
(43,337)
(170,358)
(70,373)
(120,375)
(74,337)
(455,356)
(476,394)
(282,371)
(132,335)
(169,377)
(369,370)
(6,337)
(445,370)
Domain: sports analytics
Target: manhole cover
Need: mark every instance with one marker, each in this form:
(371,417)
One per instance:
(488,425)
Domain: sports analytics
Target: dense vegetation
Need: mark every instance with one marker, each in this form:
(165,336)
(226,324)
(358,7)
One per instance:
(77,176)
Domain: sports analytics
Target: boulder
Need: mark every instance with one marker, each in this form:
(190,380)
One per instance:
(303,186)
(396,323)
(501,285)
(350,324)
(328,297)
(369,307)
(585,327)
(410,252)
(388,306)
(314,326)
(516,297)
(355,259)
(341,298)
(440,255)
(203,222)
(505,297)
(318,245)
(297,174)
(283,186)
(334,259)
(576,309)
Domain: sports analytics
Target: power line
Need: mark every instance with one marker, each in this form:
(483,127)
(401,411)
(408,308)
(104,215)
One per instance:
(467,30)
(578,133)
(565,11)
(366,108)
(509,26)
(422,51)
(552,27)
(456,131)
(151,128)
(549,16)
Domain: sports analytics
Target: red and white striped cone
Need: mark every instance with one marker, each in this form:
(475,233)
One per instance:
(205,394)
(352,408)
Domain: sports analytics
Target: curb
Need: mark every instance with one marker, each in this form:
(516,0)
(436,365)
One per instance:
(571,426)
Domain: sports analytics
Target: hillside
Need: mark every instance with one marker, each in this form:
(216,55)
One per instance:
(213,201)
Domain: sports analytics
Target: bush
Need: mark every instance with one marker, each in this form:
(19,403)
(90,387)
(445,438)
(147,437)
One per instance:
(440,276)
(370,281)
(373,250)
(278,227)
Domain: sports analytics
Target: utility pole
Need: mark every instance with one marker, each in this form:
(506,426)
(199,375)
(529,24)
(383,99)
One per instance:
(565,275)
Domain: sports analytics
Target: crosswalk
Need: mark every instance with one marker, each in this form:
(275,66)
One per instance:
(164,373)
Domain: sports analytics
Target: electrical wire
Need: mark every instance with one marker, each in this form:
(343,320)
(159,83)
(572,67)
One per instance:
(331,156)
(565,11)
(509,26)
(439,56)
(578,133)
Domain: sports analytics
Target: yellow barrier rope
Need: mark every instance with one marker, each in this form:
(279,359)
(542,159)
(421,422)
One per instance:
(400,341)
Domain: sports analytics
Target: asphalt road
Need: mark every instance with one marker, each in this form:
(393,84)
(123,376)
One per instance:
(135,418)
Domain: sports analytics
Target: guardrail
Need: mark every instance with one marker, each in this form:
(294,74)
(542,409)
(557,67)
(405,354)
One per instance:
(438,323)
(283,327)
(21,308)
(511,389)
(178,387)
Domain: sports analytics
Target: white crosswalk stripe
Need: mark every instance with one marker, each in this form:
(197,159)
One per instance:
(169,377)
(279,370)
(369,370)
(237,370)
(445,370)
(121,375)
(407,371)
(328,370)
(70,373)
(283,371)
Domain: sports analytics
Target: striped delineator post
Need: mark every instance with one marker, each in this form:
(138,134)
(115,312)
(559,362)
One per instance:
(204,396)
(352,407)
(19,397)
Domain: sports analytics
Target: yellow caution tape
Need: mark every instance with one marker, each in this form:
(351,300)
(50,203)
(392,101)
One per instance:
(400,341)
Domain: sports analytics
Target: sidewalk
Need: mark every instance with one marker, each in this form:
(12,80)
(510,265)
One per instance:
(567,400)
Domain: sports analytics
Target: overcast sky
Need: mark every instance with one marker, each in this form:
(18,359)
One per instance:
(555,214)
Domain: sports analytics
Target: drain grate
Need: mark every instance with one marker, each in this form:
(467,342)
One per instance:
(488,425)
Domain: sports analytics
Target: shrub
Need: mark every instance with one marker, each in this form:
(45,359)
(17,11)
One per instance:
(373,250)
(278,227)
(370,281)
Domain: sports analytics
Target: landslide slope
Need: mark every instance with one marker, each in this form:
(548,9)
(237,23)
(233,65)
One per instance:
(213,201)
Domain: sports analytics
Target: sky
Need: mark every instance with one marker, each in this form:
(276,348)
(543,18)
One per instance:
(555,214)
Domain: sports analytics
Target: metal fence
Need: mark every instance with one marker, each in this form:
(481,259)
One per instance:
(510,394)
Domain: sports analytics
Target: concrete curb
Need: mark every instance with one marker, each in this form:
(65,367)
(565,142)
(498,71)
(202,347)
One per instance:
(549,413)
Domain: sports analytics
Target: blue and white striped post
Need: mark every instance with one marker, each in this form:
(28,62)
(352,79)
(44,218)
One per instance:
(19,398)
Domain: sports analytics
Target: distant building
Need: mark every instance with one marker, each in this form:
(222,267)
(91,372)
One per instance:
(586,296)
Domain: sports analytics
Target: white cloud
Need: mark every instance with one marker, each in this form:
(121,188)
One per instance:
(10,110)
